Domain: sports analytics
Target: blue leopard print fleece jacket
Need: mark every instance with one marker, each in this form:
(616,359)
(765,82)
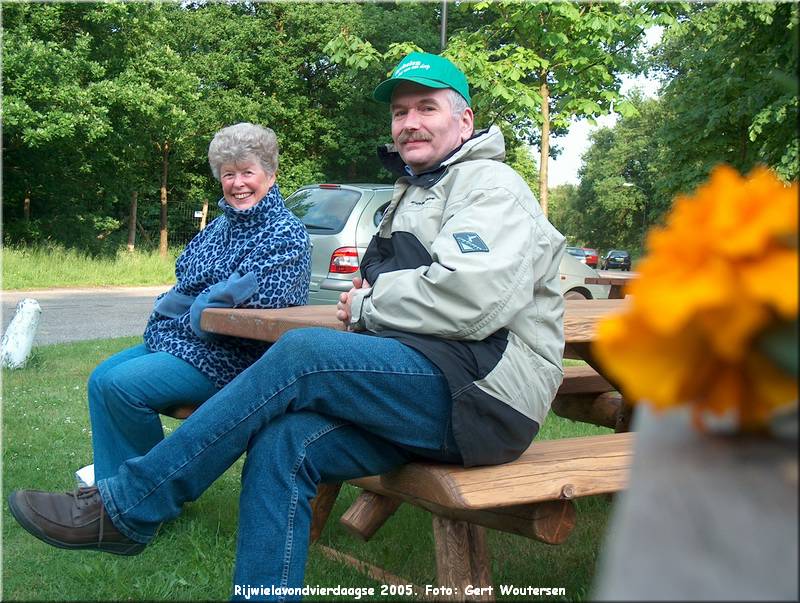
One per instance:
(266,246)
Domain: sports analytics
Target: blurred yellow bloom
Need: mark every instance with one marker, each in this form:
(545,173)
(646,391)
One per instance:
(722,270)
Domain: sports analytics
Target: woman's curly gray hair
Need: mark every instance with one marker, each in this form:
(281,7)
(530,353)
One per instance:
(242,142)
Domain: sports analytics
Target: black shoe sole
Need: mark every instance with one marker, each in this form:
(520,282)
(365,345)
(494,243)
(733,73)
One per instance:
(133,548)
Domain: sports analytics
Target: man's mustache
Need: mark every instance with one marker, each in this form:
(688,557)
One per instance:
(413,137)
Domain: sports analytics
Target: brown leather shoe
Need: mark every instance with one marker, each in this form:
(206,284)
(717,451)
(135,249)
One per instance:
(72,520)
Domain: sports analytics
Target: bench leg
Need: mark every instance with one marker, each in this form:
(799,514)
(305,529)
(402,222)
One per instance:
(321,507)
(368,513)
(462,558)
(624,417)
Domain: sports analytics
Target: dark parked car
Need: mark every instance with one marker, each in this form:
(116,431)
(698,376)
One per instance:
(591,257)
(617,258)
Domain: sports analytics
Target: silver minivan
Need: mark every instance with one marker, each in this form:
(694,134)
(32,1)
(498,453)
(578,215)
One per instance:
(342,218)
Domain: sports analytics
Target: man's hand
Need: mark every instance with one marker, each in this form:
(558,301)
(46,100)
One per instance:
(343,308)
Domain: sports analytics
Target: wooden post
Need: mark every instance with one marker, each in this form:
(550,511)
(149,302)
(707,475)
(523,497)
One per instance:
(162,243)
(132,221)
(321,506)
(204,217)
(368,513)
(544,154)
(462,559)
(597,409)
(26,207)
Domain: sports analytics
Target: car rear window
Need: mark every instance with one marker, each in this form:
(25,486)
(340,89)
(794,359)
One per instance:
(323,210)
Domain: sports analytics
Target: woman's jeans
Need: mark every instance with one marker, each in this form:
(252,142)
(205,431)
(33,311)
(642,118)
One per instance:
(319,406)
(125,394)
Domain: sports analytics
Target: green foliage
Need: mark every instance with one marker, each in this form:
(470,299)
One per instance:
(578,51)
(96,96)
(619,196)
(728,98)
(564,214)
(732,94)
(524,57)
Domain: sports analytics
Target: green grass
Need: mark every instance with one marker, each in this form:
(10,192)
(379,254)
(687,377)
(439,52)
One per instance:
(46,437)
(55,266)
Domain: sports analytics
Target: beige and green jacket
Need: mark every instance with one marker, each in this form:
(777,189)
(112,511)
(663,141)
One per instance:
(465,269)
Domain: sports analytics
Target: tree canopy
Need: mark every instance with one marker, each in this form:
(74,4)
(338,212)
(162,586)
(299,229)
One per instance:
(105,101)
(101,100)
(730,95)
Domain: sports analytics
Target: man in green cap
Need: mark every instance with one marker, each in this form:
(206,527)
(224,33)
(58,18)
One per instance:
(454,354)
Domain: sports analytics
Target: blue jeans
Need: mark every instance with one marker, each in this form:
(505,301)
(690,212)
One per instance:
(319,406)
(126,391)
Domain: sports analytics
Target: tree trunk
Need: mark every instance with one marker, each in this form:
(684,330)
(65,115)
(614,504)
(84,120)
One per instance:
(26,207)
(132,221)
(162,243)
(545,146)
(204,217)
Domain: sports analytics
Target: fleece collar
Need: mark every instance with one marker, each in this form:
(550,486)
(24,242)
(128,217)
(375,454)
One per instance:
(254,216)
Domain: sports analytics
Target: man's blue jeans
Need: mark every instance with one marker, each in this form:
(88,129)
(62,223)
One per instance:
(126,391)
(319,406)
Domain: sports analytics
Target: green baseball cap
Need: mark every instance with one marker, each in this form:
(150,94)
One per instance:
(425,69)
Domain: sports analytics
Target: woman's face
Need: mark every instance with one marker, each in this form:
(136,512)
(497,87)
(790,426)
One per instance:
(245,183)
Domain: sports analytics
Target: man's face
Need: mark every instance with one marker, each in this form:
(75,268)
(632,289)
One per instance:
(424,130)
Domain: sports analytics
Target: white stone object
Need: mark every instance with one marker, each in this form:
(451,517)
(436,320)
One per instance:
(18,338)
(85,476)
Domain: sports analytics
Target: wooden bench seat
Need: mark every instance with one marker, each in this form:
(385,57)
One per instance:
(531,496)
(548,470)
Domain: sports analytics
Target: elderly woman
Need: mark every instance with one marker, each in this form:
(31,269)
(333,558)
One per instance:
(255,255)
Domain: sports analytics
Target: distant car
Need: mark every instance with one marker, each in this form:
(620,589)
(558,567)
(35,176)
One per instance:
(573,280)
(617,258)
(577,252)
(341,220)
(591,257)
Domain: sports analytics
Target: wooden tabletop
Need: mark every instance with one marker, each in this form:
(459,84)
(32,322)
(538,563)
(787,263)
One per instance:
(616,280)
(607,277)
(580,318)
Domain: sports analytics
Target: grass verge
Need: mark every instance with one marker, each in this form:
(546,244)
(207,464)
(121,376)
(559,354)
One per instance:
(55,266)
(46,437)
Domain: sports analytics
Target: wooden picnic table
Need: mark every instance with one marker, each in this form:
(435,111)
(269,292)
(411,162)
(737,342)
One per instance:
(531,496)
(580,319)
(617,282)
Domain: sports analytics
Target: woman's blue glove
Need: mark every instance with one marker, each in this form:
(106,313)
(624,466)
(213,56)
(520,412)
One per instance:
(173,304)
(228,294)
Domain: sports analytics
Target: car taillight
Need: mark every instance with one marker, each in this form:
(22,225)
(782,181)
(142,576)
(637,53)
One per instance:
(344,260)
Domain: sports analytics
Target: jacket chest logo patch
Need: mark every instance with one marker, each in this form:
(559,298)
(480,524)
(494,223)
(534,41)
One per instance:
(469,242)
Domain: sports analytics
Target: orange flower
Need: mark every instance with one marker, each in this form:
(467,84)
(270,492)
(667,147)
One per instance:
(723,270)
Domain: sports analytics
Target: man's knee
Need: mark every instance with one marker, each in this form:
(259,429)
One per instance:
(302,344)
